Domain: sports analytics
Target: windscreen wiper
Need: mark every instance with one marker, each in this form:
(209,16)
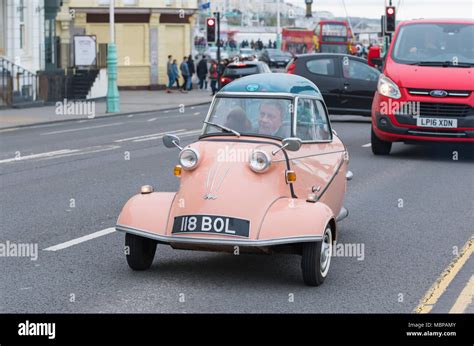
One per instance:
(443,63)
(226,129)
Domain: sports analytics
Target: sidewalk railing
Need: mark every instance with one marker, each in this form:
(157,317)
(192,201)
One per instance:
(17,84)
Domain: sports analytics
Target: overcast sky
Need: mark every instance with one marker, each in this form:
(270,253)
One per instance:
(408,9)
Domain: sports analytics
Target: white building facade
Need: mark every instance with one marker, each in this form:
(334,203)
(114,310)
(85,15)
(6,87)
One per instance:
(22,33)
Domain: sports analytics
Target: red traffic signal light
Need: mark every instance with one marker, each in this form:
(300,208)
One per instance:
(391,24)
(211,29)
(211,22)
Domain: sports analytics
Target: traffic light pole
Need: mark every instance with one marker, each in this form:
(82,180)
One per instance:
(217,15)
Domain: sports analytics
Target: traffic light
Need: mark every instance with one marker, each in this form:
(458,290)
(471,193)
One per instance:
(391,24)
(211,30)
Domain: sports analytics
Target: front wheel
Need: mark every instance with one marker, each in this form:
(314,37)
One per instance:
(380,147)
(316,259)
(140,251)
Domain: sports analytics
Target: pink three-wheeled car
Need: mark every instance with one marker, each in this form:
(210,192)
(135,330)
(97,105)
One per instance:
(267,175)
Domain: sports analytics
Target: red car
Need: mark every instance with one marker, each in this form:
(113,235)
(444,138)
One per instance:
(426,91)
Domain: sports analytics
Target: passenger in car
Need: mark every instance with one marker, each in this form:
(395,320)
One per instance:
(237,120)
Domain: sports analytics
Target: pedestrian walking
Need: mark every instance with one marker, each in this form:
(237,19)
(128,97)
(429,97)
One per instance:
(169,72)
(202,72)
(192,71)
(174,68)
(185,73)
(213,76)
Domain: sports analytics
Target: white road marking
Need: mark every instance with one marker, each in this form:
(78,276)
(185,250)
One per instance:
(197,113)
(152,119)
(83,239)
(193,107)
(146,136)
(80,129)
(368,145)
(36,156)
(62,153)
(131,116)
(181,134)
(81,121)
(166,112)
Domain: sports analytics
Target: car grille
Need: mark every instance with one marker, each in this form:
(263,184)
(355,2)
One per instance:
(451,93)
(445,109)
(437,133)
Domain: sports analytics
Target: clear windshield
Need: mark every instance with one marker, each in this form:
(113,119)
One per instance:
(252,116)
(451,43)
(334,48)
(336,33)
(279,54)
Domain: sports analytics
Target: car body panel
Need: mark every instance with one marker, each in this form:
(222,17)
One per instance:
(357,93)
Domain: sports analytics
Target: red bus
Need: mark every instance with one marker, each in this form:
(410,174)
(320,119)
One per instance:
(297,40)
(334,36)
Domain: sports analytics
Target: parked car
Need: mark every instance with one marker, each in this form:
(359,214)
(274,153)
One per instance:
(275,58)
(237,70)
(267,175)
(347,83)
(426,92)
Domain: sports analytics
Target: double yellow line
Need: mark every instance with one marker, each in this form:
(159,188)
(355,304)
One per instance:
(439,287)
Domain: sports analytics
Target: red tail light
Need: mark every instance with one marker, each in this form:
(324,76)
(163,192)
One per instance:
(226,80)
(291,68)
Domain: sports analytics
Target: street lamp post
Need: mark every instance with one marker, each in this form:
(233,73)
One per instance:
(113,97)
(278,26)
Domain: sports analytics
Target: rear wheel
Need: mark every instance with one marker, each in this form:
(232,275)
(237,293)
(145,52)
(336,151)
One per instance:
(140,251)
(316,259)
(380,147)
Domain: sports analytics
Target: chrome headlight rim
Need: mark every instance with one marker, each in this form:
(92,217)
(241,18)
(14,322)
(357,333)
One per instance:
(263,154)
(193,152)
(393,89)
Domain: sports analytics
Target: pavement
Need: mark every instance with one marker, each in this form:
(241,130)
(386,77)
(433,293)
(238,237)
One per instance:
(63,185)
(131,102)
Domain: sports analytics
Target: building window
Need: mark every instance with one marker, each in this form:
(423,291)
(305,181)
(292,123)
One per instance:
(103,2)
(21,9)
(22,36)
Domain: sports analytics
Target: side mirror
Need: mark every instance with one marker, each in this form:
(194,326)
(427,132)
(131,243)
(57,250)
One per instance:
(292,144)
(377,63)
(171,141)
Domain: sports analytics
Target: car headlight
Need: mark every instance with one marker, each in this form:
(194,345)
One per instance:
(387,87)
(259,161)
(189,159)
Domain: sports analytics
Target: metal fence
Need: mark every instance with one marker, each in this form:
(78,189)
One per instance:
(17,84)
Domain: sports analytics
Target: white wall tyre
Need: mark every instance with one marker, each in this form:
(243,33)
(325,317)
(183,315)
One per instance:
(316,259)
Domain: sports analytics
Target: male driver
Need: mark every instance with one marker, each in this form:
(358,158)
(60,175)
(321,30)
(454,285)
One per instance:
(271,119)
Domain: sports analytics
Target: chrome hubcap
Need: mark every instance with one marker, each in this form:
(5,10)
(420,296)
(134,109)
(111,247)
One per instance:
(326,252)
